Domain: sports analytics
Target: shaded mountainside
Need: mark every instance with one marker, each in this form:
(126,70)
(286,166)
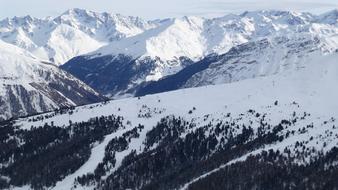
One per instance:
(115,76)
(281,125)
(30,86)
(175,81)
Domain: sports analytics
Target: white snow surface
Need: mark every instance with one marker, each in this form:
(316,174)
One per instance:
(310,89)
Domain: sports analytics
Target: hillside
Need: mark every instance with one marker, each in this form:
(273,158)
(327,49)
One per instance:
(265,132)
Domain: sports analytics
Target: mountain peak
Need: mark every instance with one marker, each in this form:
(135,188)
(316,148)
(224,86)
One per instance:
(76,14)
(83,13)
(77,11)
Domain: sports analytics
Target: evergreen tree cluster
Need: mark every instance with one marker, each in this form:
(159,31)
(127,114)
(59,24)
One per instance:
(175,152)
(117,144)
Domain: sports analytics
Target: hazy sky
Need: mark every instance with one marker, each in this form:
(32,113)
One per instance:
(151,9)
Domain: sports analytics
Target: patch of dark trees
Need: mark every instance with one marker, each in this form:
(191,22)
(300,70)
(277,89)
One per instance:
(43,155)
(117,144)
(175,152)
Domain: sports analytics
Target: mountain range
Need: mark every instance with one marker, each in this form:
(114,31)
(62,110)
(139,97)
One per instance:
(140,52)
(178,43)
(59,39)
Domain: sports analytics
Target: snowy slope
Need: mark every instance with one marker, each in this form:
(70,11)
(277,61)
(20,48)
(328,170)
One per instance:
(262,58)
(62,38)
(303,100)
(29,85)
(312,80)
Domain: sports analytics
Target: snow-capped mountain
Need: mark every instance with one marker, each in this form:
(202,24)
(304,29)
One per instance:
(126,54)
(123,52)
(63,37)
(177,43)
(240,135)
(29,85)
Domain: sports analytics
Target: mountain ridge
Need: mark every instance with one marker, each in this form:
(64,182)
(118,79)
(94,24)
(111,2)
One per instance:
(97,28)
(31,86)
(104,28)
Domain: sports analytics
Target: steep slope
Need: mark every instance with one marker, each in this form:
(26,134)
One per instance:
(281,125)
(62,38)
(259,58)
(29,85)
(273,56)
(330,18)
(177,43)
